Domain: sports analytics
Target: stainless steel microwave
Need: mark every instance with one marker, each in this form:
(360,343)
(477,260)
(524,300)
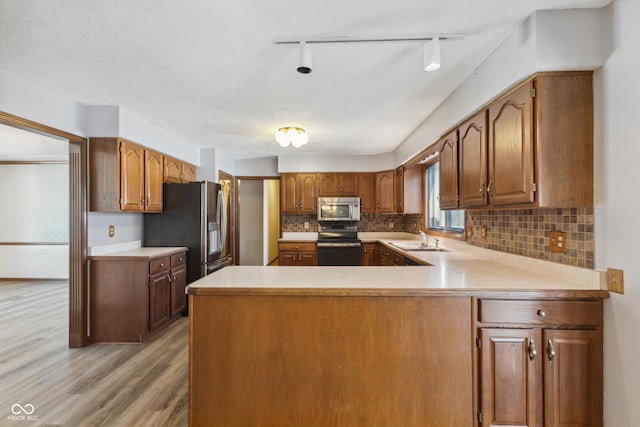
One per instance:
(338,208)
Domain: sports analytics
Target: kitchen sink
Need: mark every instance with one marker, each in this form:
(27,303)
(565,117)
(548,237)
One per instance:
(416,246)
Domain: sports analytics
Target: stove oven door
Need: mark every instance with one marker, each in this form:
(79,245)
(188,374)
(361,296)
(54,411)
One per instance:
(343,253)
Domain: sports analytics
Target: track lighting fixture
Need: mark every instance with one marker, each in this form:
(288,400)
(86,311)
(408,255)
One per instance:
(431,48)
(432,55)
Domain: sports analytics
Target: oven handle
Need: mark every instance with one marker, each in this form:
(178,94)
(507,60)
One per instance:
(338,245)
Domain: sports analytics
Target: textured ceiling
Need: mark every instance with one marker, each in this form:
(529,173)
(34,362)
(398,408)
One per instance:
(209,72)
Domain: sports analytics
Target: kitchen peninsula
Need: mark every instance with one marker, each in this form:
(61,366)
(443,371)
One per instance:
(464,339)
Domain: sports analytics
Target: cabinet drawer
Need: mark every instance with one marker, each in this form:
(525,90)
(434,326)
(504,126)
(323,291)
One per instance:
(178,259)
(540,312)
(158,265)
(297,246)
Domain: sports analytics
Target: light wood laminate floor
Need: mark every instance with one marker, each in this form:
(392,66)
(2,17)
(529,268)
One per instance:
(99,385)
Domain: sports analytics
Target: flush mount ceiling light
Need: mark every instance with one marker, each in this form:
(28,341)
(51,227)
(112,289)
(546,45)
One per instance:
(292,135)
(432,55)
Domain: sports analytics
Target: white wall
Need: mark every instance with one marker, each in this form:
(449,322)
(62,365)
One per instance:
(537,45)
(374,163)
(30,101)
(264,166)
(617,208)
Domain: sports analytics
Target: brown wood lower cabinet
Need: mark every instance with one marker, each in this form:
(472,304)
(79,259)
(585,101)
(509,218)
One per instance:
(540,363)
(297,254)
(355,358)
(369,254)
(341,361)
(130,297)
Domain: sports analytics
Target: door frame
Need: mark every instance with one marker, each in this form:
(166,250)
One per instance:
(78,291)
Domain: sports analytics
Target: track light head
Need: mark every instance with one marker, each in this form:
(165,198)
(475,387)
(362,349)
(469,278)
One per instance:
(305,58)
(432,55)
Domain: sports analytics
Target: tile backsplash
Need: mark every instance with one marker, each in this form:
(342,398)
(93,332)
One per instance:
(368,222)
(526,232)
(517,231)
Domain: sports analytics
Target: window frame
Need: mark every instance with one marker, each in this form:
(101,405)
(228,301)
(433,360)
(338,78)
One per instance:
(448,233)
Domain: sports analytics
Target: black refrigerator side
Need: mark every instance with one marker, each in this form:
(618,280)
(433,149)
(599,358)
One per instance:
(180,224)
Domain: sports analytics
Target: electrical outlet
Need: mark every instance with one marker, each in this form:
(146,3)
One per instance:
(557,241)
(112,231)
(483,232)
(615,280)
(306,225)
(391,225)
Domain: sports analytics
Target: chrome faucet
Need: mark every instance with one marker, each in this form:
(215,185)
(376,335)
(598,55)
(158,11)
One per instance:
(424,235)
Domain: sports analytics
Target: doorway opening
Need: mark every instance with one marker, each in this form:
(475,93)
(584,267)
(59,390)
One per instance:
(258,219)
(77,232)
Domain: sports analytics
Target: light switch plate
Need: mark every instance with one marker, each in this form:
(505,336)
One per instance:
(615,280)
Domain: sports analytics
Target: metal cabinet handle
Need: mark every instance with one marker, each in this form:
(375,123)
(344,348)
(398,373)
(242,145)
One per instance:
(551,352)
(490,189)
(533,352)
(169,278)
(482,195)
(542,313)
(142,201)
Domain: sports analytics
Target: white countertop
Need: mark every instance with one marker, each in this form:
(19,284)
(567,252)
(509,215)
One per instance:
(140,253)
(463,267)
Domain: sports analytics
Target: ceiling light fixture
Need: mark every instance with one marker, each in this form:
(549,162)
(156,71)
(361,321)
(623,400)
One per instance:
(431,49)
(432,55)
(292,135)
(306,58)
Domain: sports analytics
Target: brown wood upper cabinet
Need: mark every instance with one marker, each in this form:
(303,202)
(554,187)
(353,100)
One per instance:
(178,171)
(337,185)
(384,192)
(298,193)
(541,143)
(409,190)
(448,196)
(472,161)
(367,192)
(533,147)
(124,177)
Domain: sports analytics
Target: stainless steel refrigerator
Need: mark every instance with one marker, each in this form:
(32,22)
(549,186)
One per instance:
(194,215)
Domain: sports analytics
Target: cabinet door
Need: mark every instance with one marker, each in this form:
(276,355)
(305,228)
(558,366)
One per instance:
(413,190)
(288,193)
(159,299)
(189,172)
(287,259)
(178,285)
(368,254)
(172,169)
(348,185)
(384,192)
(307,259)
(472,152)
(152,181)
(367,192)
(327,185)
(131,177)
(510,379)
(398,190)
(511,148)
(573,378)
(307,191)
(449,171)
